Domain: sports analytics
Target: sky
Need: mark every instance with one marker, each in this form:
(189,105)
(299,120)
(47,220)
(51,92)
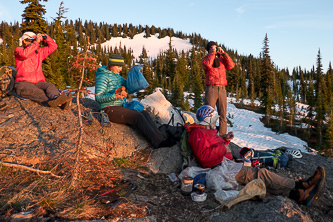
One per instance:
(296,29)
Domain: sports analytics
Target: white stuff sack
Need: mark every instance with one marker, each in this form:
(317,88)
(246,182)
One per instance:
(161,108)
(223,177)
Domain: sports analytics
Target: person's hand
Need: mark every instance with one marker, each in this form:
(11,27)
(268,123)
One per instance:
(118,96)
(219,50)
(123,93)
(120,89)
(229,136)
(120,92)
(39,38)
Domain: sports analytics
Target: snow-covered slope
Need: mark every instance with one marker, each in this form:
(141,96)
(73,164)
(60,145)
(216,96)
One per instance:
(153,44)
(250,131)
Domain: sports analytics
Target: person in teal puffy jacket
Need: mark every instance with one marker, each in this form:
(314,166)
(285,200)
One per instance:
(111,97)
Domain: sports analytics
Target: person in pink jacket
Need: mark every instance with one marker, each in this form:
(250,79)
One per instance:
(215,64)
(30,80)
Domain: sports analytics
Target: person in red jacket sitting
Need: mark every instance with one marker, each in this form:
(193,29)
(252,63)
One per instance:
(215,64)
(30,80)
(207,147)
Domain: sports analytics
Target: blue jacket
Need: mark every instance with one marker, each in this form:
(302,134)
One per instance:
(106,83)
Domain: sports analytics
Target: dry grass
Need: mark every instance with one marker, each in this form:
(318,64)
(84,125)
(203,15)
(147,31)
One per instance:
(23,190)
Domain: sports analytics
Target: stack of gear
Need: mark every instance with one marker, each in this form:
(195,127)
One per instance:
(275,158)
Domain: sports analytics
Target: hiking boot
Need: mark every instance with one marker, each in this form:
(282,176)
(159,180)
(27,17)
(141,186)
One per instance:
(88,117)
(313,193)
(67,103)
(58,101)
(305,184)
(104,119)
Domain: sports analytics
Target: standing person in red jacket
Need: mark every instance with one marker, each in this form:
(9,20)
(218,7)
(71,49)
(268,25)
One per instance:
(207,147)
(215,64)
(30,80)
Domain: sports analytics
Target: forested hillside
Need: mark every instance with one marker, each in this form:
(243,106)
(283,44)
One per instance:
(254,77)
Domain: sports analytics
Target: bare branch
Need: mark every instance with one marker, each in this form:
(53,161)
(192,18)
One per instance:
(30,169)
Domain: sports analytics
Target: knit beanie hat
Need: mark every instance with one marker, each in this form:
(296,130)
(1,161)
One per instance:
(210,44)
(116,60)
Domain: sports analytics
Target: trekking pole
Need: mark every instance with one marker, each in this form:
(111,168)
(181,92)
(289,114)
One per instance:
(121,199)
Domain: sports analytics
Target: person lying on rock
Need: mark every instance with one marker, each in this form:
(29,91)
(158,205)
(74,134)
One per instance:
(110,94)
(207,146)
(209,149)
(30,80)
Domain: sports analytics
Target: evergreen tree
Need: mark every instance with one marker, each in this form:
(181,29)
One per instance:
(10,36)
(329,134)
(311,105)
(169,64)
(302,87)
(318,73)
(59,57)
(320,112)
(106,32)
(242,84)
(115,30)
(292,108)
(147,31)
(33,17)
(266,79)
(196,78)
(143,55)
(187,106)
(182,69)
(329,81)
(251,85)
(280,99)
(177,93)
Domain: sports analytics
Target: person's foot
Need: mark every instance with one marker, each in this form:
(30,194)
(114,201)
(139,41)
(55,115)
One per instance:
(312,193)
(305,184)
(65,105)
(88,118)
(58,101)
(104,119)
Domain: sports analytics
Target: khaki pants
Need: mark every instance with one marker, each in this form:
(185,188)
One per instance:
(275,184)
(217,96)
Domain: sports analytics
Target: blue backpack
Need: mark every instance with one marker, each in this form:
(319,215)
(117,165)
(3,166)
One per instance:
(135,80)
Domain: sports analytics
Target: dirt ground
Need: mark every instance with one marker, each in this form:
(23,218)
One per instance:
(46,139)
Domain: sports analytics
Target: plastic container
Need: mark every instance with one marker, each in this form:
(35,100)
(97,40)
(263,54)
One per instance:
(187,185)
(198,197)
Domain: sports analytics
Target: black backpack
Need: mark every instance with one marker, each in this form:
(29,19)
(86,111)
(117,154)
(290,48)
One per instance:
(7,80)
(172,130)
